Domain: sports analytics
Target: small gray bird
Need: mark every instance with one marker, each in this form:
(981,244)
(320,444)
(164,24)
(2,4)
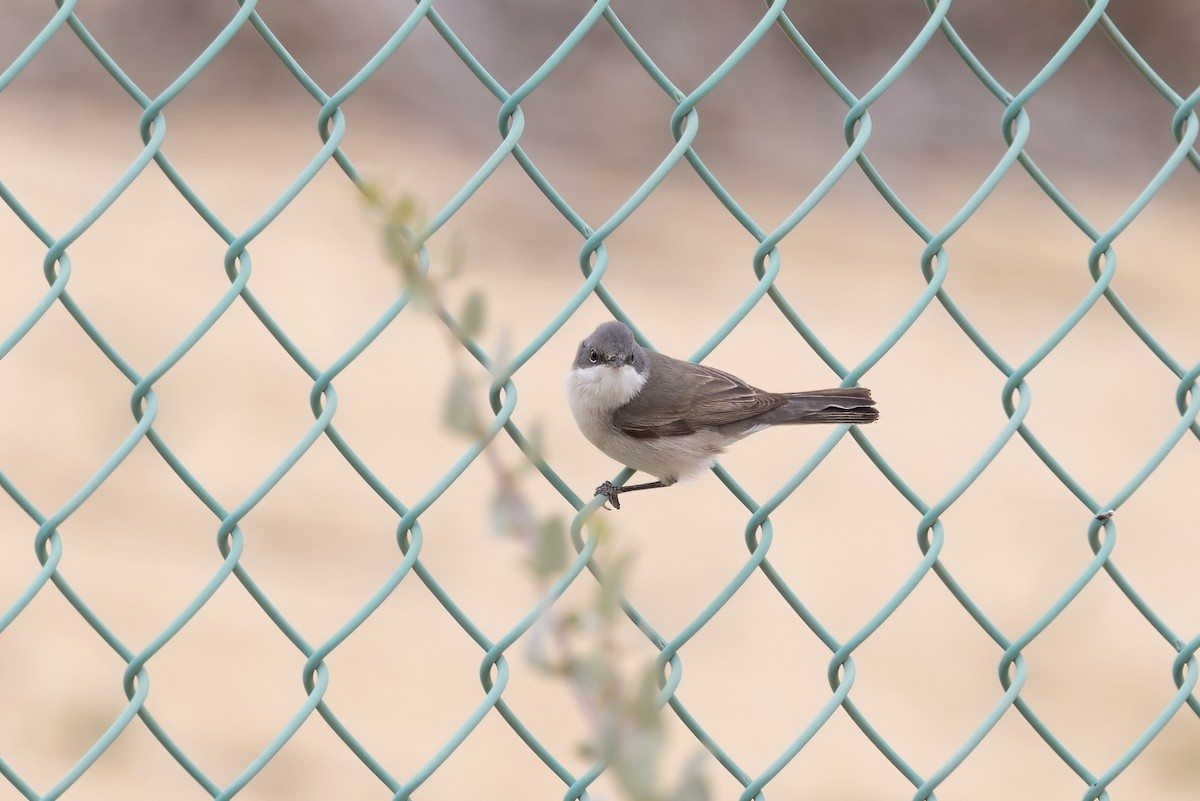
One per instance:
(672,418)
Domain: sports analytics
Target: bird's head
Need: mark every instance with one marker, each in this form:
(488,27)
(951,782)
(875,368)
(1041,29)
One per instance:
(611,345)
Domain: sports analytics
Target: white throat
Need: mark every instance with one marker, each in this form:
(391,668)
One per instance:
(595,392)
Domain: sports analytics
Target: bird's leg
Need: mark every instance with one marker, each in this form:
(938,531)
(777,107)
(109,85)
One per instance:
(611,491)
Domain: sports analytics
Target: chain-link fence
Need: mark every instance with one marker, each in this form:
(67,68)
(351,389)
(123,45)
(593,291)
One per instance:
(161,385)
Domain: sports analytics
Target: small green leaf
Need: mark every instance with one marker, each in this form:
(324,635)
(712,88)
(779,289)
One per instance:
(503,352)
(456,256)
(470,320)
(406,211)
(571,621)
(401,250)
(537,648)
(372,194)
(535,442)
(459,414)
(612,586)
(637,762)
(550,553)
(511,513)
(643,709)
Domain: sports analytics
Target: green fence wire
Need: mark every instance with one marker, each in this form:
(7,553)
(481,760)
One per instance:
(494,671)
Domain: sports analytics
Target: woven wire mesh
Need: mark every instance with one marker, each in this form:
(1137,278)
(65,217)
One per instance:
(416,575)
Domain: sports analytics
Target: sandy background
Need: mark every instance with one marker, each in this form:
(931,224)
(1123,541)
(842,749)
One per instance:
(321,542)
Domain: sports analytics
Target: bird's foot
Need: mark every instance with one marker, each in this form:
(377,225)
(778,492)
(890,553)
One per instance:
(610,491)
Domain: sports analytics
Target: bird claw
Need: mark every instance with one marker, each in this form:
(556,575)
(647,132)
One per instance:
(609,491)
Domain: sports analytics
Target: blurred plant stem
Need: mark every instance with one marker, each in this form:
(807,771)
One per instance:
(627,732)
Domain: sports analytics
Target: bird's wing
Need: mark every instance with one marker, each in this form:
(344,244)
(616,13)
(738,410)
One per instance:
(696,397)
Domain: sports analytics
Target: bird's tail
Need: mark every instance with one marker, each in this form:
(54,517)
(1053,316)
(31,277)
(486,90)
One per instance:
(843,405)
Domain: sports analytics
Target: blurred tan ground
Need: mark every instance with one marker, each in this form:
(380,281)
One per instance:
(321,543)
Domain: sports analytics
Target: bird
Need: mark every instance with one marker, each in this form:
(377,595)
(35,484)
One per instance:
(671,418)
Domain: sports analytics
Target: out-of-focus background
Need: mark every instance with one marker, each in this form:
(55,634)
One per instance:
(320,543)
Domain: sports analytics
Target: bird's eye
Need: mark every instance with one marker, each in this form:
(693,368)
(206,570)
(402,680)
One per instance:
(593,357)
